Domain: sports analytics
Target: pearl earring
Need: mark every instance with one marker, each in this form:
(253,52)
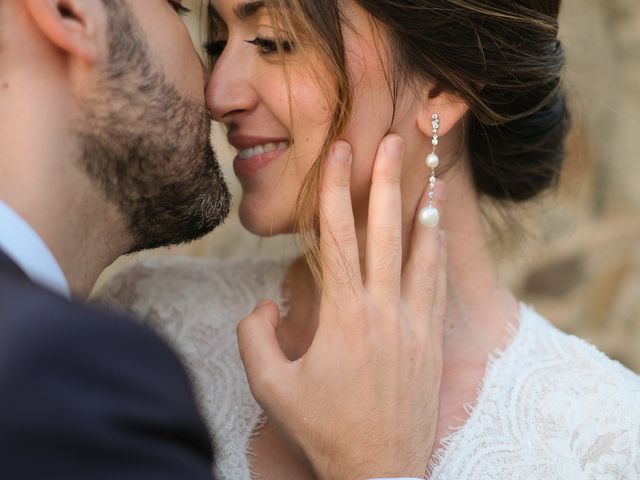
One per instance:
(429,215)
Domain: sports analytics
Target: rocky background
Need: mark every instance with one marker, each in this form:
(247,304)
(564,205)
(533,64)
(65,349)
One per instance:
(579,248)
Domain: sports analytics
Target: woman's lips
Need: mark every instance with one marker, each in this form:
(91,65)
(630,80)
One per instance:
(251,160)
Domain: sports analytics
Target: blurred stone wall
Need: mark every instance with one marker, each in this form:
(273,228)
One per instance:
(577,251)
(583,270)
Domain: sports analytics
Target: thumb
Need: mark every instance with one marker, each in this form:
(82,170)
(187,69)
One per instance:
(261,355)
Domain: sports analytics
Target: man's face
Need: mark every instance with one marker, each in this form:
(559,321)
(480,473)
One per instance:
(144,130)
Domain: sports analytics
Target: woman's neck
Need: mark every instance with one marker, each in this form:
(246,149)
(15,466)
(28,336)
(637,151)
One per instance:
(479,308)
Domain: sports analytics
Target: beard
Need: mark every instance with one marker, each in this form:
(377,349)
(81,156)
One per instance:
(147,148)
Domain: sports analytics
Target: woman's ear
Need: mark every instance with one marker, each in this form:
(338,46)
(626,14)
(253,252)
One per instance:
(450,108)
(70,25)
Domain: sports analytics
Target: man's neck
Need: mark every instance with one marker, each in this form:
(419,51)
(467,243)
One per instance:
(42,182)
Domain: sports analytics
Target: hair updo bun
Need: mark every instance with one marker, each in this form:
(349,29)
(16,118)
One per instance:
(519,159)
(504,59)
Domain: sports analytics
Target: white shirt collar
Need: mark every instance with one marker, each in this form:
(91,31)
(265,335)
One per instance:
(23,245)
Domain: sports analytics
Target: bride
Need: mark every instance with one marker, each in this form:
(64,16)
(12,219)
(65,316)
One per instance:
(473,87)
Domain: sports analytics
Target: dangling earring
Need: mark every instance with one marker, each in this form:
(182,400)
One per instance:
(429,215)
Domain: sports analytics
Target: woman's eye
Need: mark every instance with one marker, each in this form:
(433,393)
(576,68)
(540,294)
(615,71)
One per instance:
(267,46)
(178,7)
(215,49)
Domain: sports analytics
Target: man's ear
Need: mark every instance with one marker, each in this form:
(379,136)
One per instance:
(449,108)
(70,25)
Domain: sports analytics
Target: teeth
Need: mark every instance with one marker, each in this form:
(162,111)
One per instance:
(260,149)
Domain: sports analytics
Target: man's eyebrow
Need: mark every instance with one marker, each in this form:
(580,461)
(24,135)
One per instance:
(248,9)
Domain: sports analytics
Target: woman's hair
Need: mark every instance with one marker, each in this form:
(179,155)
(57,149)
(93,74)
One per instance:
(501,57)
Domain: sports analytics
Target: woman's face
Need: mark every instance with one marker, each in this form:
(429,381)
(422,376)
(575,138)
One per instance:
(278,119)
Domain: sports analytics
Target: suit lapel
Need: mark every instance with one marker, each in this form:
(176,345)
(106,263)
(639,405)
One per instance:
(8,265)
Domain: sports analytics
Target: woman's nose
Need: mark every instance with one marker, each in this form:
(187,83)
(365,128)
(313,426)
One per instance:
(229,91)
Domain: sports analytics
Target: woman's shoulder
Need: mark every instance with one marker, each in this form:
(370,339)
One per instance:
(574,365)
(578,400)
(551,406)
(583,402)
(195,304)
(199,268)
(168,286)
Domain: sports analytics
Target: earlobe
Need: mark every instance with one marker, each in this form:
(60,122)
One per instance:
(70,25)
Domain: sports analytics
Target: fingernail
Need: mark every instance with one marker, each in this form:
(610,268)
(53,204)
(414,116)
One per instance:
(394,146)
(342,152)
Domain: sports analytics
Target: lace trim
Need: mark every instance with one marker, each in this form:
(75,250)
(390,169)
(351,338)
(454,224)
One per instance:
(498,356)
(284,304)
(259,425)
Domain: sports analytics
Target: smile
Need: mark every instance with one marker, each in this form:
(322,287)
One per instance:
(247,153)
(252,159)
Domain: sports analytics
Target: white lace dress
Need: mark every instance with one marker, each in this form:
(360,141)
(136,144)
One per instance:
(551,406)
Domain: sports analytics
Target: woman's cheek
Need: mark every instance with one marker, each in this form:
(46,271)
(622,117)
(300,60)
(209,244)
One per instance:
(312,119)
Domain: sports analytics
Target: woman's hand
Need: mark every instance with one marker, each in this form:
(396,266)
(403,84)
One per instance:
(363,401)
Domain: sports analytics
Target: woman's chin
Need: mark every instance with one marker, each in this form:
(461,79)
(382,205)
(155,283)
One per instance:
(263,224)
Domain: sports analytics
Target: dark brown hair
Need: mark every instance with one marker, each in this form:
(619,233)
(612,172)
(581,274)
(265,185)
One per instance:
(502,57)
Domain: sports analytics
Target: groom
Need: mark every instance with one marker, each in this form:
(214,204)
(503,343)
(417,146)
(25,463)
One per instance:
(105,151)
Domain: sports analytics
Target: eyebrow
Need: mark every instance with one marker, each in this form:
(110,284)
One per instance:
(248,9)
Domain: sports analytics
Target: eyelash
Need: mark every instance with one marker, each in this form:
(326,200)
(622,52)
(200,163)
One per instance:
(265,46)
(179,8)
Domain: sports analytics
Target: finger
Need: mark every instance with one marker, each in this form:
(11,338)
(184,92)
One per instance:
(260,352)
(384,226)
(420,276)
(339,256)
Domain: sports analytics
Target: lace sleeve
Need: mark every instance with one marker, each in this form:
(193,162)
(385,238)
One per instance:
(121,292)
(166,294)
(551,407)
(195,304)
(605,428)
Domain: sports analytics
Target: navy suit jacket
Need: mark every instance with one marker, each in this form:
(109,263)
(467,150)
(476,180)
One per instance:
(85,394)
